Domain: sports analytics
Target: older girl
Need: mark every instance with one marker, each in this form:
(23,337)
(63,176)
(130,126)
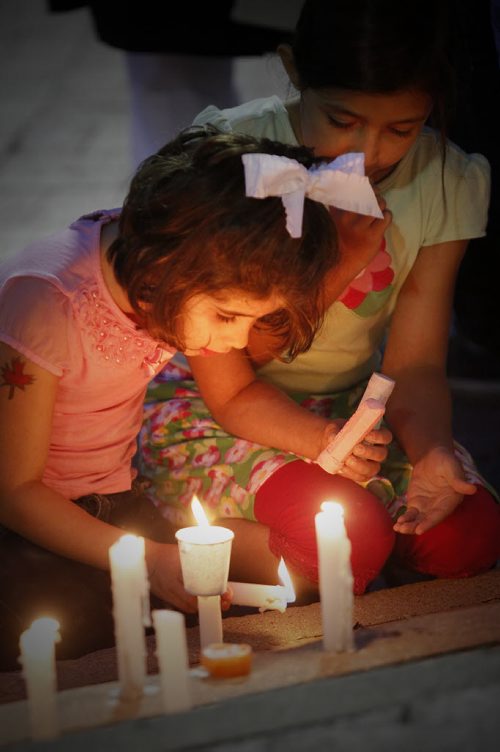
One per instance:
(370,76)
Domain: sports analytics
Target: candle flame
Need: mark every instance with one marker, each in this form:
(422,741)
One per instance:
(199,513)
(333,508)
(286,581)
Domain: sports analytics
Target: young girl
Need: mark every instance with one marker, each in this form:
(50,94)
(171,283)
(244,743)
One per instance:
(87,318)
(369,76)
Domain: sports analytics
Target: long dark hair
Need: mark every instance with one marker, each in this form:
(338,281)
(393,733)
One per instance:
(379,47)
(187,227)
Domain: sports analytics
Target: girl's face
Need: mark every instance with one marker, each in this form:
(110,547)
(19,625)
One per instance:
(217,323)
(382,126)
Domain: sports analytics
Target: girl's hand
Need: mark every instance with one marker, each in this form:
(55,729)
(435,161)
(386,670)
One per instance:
(360,236)
(365,459)
(436,488)
(165,578)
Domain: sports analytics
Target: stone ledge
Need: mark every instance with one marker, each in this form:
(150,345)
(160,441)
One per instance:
(294,683)
(408,700)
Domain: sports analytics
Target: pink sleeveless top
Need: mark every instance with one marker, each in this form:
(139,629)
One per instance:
(56,310)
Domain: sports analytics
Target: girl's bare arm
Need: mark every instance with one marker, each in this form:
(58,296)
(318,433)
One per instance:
(40,514)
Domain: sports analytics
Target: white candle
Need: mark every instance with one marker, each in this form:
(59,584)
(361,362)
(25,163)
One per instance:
(379,387)
(172,654)
(205,552)
(37,657)
(210,618)
(335,578)
(265,597)
(353,432)
(130,593)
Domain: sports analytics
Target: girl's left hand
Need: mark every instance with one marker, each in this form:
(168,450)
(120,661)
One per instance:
(436,488)
(365,459)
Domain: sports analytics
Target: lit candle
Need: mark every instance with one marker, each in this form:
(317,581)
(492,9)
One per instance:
(130,589)
(335,578)
(226,659)
(38,660)
(172,654)
(265,597)
(205,552)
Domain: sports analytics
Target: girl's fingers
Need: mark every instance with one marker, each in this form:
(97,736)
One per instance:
(359,470)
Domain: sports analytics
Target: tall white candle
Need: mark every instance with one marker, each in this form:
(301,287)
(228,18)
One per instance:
(172,654)
(335,578)
(130,591)
(37,645)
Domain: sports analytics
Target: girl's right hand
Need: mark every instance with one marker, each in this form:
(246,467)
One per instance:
(360,236)
(365,459)
(165,576)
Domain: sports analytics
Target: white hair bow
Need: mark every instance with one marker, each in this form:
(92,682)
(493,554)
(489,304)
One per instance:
(341,183)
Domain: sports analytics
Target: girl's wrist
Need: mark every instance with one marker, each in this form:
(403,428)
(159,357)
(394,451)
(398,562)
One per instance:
(152,553)
(441,447)
(330,430)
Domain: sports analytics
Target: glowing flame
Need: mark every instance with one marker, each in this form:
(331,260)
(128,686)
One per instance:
(286,582)
(199,513)
(333,508)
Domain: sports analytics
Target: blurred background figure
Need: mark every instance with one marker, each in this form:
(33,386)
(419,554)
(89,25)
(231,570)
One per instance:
(179,59)
(475,338)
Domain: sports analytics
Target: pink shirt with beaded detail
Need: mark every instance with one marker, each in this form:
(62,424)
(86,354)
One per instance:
(56,310)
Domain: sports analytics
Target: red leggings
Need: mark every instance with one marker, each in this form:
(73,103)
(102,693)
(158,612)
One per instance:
(465,543)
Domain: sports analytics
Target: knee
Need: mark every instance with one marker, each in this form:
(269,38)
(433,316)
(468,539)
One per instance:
(288,502)
(466,543)
(370,531)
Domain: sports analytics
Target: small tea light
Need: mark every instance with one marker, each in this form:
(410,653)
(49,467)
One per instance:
(224,660)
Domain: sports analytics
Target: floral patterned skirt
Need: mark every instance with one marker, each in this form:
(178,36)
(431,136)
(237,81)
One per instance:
(184,451)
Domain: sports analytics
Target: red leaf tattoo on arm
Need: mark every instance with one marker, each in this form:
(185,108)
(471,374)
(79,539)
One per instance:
(14,377)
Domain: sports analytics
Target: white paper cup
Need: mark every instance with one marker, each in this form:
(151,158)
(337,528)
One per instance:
(205,552)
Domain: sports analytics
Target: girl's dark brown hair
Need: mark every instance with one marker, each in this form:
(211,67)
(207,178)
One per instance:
(187,227)
(380,47)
